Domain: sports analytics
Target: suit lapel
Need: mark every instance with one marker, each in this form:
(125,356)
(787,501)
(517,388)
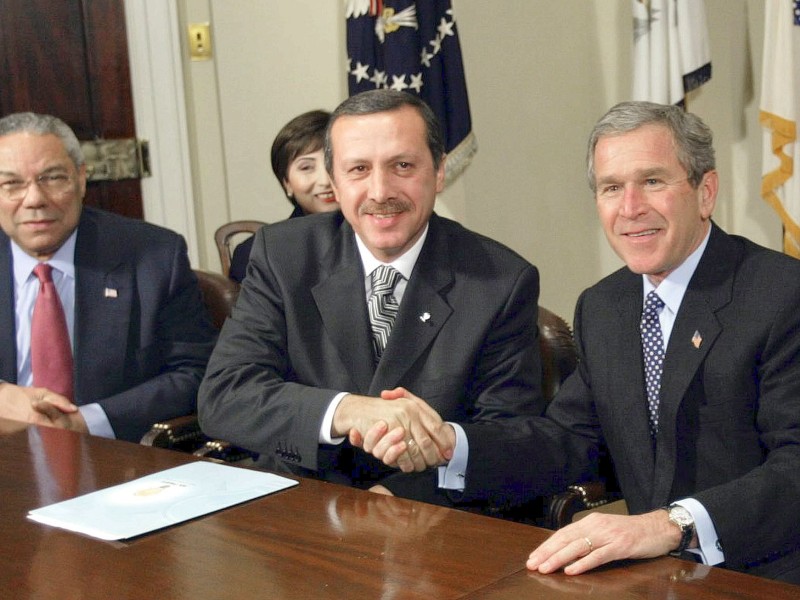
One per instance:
(629,392)
(422,313)
(709,290)
(340,297)
(104,302)
(8,341)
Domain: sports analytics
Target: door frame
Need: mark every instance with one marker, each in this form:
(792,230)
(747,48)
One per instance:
(159,104)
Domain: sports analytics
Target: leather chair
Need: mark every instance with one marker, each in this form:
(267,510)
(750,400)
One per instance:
(225,236)
(559,357)
(219,295)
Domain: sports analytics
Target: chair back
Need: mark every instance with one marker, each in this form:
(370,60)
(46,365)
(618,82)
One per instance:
(557,347)
(225,236)
(219,295)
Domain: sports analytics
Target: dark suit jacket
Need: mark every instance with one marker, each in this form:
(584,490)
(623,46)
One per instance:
(729,426)
(299,334)
(140,355)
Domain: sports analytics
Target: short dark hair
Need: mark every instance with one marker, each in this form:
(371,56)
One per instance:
(303,134)
(44,125)
(693,138)
(382,100)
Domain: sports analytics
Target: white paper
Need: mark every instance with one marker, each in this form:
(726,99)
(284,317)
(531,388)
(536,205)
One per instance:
(159,500)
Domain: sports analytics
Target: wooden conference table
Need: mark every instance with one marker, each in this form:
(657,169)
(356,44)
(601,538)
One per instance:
(315,540)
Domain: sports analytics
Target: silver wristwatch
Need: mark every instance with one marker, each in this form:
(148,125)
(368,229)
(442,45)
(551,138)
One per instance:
(681,517)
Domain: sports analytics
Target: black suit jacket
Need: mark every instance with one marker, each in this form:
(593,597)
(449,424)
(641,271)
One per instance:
(729,426)
(140,355)
(299,334)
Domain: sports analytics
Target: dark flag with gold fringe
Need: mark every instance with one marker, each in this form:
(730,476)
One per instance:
(413,47)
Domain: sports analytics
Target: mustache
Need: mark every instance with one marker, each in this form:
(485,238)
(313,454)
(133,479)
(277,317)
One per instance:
(391,206)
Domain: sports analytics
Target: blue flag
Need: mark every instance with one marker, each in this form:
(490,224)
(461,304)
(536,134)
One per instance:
(413,47)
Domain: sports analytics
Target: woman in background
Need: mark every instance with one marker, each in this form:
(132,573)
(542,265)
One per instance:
(299,165)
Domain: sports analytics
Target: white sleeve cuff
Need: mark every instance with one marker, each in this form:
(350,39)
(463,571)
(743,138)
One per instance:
(452,476)
(709,549)
(97,420)
(327,421)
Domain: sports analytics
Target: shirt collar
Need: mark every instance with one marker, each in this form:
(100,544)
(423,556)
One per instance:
(404,263)
(63,260)
(672,289)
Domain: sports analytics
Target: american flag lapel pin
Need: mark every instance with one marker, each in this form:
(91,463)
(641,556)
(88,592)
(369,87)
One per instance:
(110,293)
(697,339)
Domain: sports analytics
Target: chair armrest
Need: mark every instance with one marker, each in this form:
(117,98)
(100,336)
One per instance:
(180,433)
(585,496)
(222,451)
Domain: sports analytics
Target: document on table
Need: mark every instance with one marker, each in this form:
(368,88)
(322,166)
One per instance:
(159,500)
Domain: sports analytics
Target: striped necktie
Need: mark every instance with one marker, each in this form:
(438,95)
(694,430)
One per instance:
(382,306)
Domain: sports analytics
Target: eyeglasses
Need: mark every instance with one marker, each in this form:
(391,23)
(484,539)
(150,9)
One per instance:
(51,184)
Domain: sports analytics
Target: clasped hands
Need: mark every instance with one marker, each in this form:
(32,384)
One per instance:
(399,429)
(39,406)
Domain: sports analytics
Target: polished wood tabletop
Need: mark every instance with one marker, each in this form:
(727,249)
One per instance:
(315,540)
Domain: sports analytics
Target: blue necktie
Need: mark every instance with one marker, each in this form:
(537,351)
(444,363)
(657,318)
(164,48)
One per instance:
(653,350)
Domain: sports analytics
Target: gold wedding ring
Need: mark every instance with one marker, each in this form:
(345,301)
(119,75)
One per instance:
(589,543)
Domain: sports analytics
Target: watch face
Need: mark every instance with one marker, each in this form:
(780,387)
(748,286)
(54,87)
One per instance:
(680,516)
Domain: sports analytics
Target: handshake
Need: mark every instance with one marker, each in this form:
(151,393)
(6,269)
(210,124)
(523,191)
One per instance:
(399,429)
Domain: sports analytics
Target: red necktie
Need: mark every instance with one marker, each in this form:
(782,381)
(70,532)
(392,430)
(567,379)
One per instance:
(51,353)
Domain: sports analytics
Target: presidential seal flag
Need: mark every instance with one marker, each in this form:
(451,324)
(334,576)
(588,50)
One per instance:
(671,54)
(779,111)
(413,47)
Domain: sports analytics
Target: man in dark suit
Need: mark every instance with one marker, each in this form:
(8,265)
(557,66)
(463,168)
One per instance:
(296,375)
(138,331)
(708,454)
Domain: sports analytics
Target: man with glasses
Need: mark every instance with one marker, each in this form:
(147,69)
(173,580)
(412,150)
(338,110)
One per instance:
(125,341)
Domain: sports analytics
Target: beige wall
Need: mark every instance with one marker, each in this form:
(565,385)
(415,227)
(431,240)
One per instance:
(539,74)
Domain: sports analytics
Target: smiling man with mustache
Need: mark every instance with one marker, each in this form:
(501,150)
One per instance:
(297,375)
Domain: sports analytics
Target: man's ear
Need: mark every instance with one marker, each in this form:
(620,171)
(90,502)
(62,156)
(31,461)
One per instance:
(708,188)
(440,174)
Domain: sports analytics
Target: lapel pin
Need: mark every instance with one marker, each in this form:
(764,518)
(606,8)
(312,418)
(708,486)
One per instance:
(697,339)
(110,293)
(425,317)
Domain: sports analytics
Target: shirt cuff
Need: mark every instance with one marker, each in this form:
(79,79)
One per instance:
(452,476)
(97,421)
(710,550)
(327,422)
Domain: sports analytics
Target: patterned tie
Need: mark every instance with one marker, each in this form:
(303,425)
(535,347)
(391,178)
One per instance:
(51,353)
(382,306)
(653,349)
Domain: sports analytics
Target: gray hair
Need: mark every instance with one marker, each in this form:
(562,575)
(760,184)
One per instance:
(44,125)
(692,137)
(382,100)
